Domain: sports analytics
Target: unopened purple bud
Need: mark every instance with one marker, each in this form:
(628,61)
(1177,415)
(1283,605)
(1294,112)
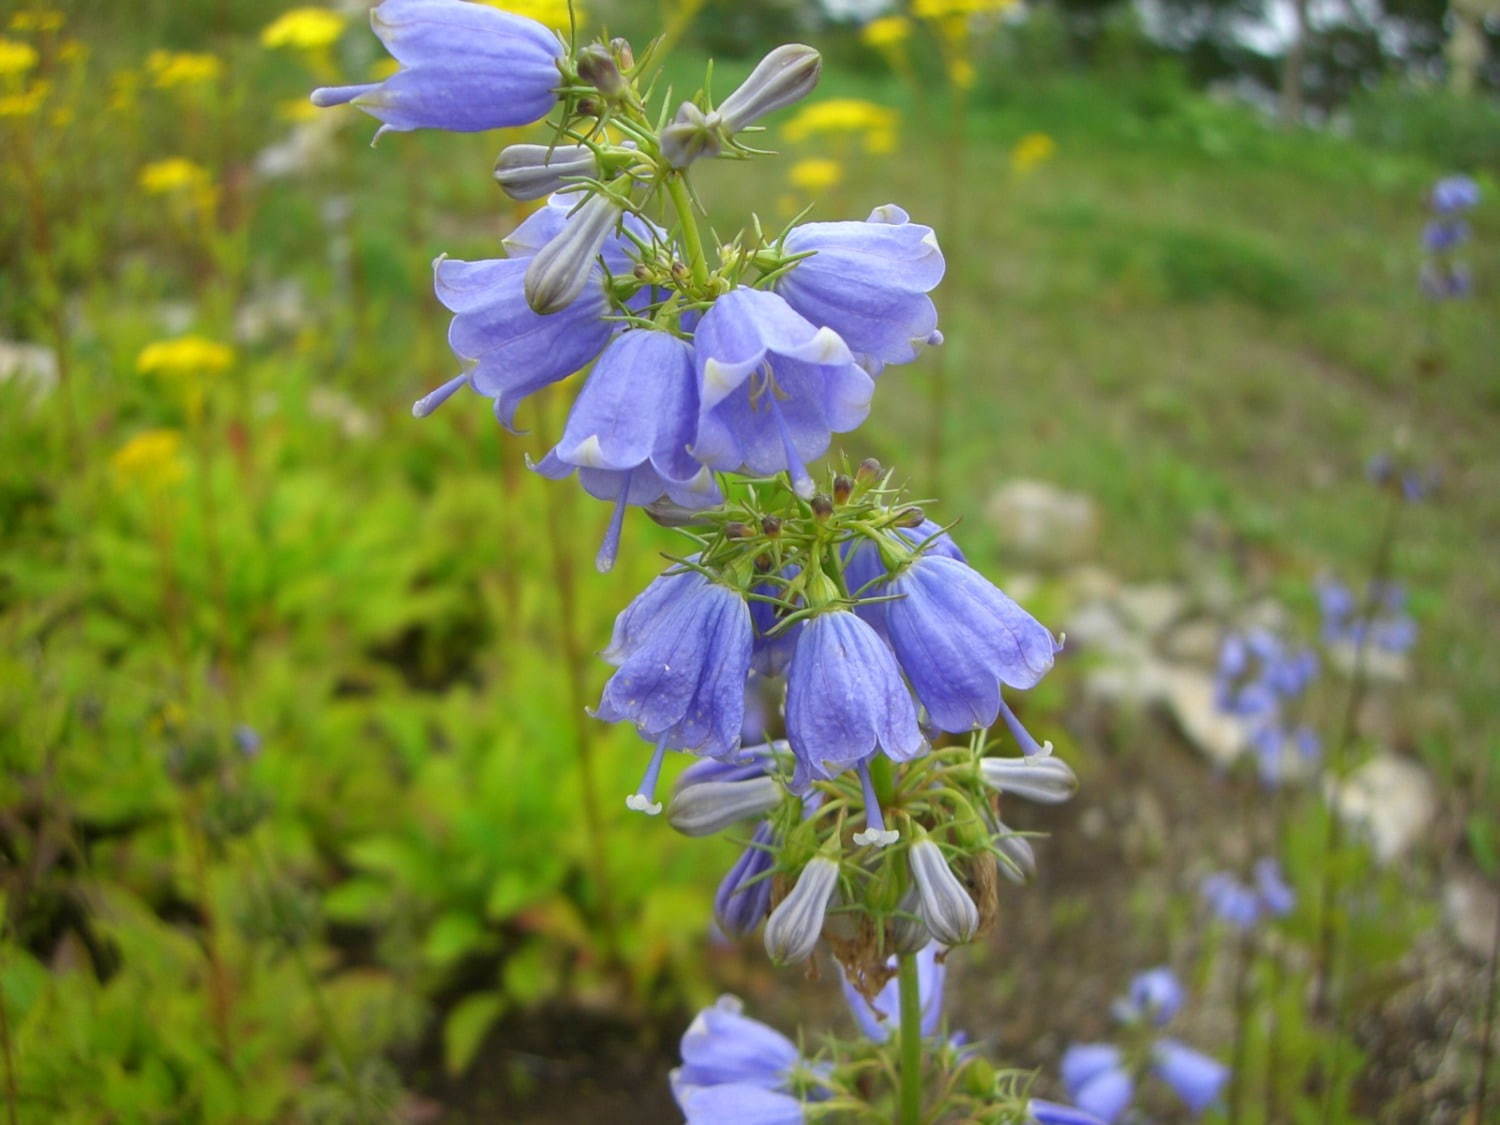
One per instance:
(1017,858)
(691,134)
(786,75)
(597,67)
(1275,894)
(793,928)
(942,903)
(557,274)
(712,806)
(529,172)
(1040,777)
(908,933)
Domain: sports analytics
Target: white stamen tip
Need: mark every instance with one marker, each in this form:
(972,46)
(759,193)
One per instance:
(639,802)
(830,347)
(876,837)
(718,378)
(588,454)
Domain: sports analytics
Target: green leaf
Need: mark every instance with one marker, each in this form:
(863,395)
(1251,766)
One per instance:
(465,1028)
(452,936)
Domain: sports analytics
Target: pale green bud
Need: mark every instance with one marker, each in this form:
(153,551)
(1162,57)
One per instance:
(793,928)
(786,75)
(558,273)
(528,172)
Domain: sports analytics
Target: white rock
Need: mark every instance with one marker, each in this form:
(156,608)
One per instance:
(1043,524)
(1097,627)
(1196,642)
(1091,582)
(1121,681)
(28,365)
(1470,904)
(1190,697)
(1389,799)
(1380,665)
(1152,606)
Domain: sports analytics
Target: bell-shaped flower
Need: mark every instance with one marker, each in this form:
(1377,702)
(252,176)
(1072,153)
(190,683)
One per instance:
(1042,778)
(514,350)
(1015,855)
(878,1018)
(463,67)
(845,698)
(1154,995)
(1096,1080)
(629,431)
(1454,193)
(787,74)
(712,806)
(1193,1076)
(736,1103)
(959,638)
(1276,895)
(1231,901)
(1042,1112)
(942,902)
(528,172)
(682,667)
(723,1045)
(793,928)
(868,282)
(906,932)
(744,894)
(772,388)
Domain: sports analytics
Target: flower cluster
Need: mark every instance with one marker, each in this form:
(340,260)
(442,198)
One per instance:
(1243,905)
(1261,681)
(1444,277)
(747,365)
(738,1069)
(1102,1077)
(1380,620)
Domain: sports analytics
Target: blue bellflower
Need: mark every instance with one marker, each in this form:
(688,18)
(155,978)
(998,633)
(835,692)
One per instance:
(515,351)
(773,388)
(1454,193)
(630,428)
(682,653)
(845,699)
(1095,1077)
(735,1070)
(869,283)
(879,1017)
(464,68)
(959,639)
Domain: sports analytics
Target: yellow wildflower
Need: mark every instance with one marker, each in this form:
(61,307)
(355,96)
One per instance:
(945,9)
(152,458)
(880,142)
(552,13)
(887,31)
(961,73)
(298,110)
(36,19)
(27,102)
(182,68)
(840,115)
(303,29)
(16,58)
(174,174)
(185,356)
(818,174)
(73,51)
(1031,151)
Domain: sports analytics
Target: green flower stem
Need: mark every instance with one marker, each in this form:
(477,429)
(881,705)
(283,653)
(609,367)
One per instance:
(692,237)
(911,1042)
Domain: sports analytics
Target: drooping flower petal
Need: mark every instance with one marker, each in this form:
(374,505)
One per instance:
(464,68)
(1195,1077)
(845,698)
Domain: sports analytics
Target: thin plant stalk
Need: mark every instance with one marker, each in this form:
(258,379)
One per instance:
(1380,569)
(560,521)
(911,1042)
(1244,995)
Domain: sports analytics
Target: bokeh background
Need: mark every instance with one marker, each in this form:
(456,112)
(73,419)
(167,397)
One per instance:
(301,814)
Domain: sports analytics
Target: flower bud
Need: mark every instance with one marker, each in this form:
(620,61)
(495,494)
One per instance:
(909,517)
(942,903)
(908,933)
(597,67)
(793,928)
(843,488)
(691,134)
(745,892)
(869,469)
(560,269)
(822,507)
(1041,778)
(786,75)
(623,52)
(770,526)
(529,172)
(712,806)
(738,529)
(1017,859)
